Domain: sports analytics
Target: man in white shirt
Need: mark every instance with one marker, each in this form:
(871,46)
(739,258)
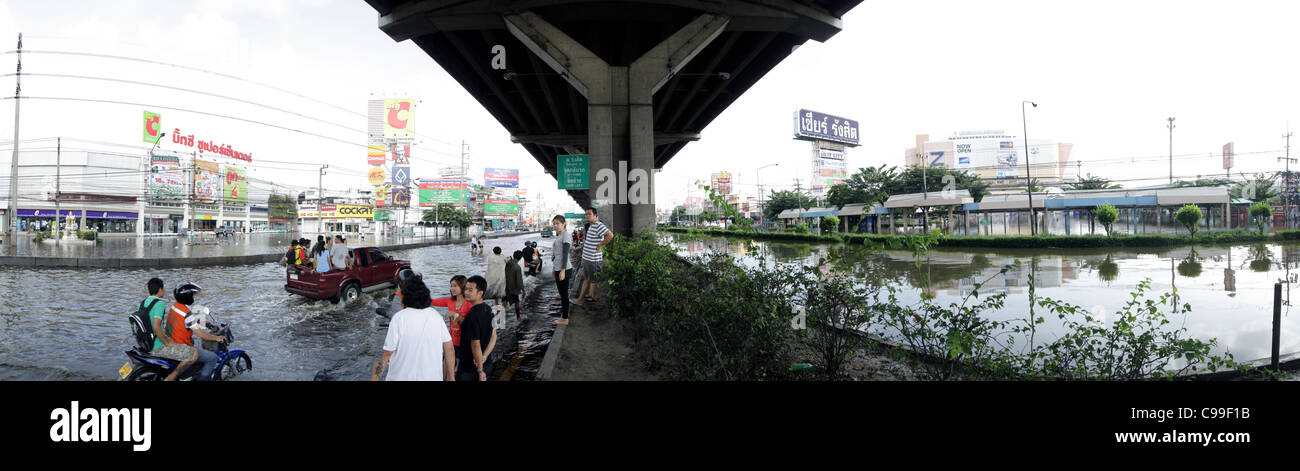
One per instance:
(418,346)
(340,254)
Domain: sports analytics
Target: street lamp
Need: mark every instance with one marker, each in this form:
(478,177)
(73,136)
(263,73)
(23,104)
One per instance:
(1029,181)
(762,216)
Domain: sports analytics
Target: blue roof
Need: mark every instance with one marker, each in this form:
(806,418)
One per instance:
(818,214)
(1094,202)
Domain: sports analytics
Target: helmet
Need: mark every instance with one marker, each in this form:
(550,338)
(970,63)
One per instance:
(184,293)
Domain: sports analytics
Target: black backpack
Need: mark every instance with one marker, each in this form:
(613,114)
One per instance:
(142,326)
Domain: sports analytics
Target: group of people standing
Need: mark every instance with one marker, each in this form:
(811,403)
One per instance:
(422,345)
(327,255)
(563,259)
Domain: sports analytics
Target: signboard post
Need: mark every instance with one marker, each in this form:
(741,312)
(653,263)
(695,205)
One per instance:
(574,172)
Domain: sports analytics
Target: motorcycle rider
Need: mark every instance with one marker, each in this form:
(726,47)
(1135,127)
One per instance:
(178,334)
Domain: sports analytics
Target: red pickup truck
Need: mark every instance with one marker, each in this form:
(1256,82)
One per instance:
(371,270)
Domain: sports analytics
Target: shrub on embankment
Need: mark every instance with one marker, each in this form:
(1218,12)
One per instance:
(1026,242)
(715,319)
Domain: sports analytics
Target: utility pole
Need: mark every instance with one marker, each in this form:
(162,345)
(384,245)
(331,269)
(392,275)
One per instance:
(58,183)
(1029,180)
(320,199)
(11,213)
(1171,150)
(1286,184)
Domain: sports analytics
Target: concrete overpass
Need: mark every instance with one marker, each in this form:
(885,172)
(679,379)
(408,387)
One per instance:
(628,82)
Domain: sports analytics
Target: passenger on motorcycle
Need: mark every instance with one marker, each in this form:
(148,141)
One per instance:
(181,337)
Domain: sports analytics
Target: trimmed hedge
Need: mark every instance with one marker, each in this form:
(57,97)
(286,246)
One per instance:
(1028,242)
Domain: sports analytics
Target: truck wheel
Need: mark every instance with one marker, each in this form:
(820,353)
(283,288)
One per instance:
(351,292)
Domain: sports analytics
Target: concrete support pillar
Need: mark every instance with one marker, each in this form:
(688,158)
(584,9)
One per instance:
(1067,221)
(620,116)
(1226,217)
(893,227)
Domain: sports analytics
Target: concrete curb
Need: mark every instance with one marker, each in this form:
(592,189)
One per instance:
(545,372)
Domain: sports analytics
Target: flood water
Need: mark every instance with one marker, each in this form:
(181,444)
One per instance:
(1230,288)
(71,324)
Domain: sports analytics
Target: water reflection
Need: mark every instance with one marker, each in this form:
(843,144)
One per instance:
(1236,308)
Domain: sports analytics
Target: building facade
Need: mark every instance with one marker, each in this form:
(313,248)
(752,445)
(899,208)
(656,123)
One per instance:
(994,156)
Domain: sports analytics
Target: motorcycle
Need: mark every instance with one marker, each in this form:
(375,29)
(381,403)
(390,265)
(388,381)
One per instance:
(141,366)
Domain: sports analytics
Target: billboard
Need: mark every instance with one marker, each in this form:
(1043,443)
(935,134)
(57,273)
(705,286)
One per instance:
(376,176)
(963,154)
(434,192)
(501,207)
(1227,156)
(401,197)
(401,176)
(401,154)
(832,169)
(207,181)
(811,125)
(1006,160)
(830,154)
(501,177)
(236,185)
(381,195)
(398,119)
(375,155)
(152,127)
(375,122)
(166,179)
(721,183)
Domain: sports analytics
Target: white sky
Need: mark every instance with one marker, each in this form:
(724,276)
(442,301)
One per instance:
(1106,75)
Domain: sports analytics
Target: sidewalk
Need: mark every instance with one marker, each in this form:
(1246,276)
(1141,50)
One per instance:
(593,347)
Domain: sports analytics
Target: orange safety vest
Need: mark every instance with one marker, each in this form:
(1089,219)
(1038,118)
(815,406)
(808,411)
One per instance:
(175,328)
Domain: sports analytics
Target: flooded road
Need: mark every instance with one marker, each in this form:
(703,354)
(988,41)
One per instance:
(71,324)
(1230,288)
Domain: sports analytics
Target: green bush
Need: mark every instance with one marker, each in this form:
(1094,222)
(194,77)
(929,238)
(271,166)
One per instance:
(1106,215)
(1260,212)
(713,320)
(801,228)
(87,234)
(1189,215)
(42,235)
(830,224)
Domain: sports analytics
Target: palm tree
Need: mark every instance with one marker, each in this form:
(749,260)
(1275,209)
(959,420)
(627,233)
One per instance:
(1092,183)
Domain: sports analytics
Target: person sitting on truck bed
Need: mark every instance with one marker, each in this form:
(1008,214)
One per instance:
(321,254)
(340,255)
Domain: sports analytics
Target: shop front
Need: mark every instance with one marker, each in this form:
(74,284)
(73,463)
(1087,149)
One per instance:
(102,221)
(162,223)
(110,222)
(203,222)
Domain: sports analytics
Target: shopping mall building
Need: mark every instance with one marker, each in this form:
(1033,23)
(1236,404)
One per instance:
(996,157)
(127,193)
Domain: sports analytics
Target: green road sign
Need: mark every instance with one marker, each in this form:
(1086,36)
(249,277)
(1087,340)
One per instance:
(574,172)
(569,217)
(383,215)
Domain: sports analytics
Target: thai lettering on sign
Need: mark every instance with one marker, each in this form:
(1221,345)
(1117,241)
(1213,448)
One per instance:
(209,146)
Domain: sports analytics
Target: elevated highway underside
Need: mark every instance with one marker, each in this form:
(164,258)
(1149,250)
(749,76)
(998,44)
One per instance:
(628,82)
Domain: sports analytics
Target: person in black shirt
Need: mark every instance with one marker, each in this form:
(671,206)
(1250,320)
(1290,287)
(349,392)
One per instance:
(477,336)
